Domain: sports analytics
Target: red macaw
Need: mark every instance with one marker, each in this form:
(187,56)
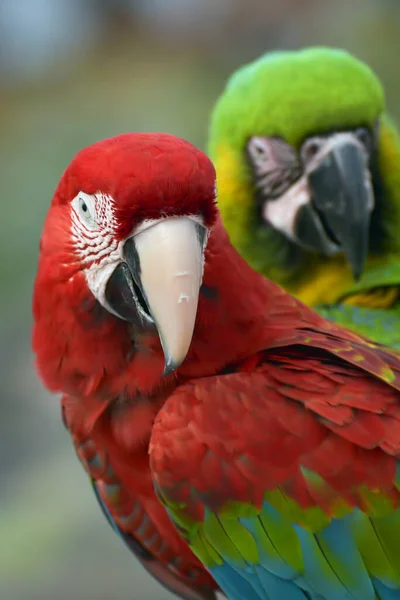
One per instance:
(107,255)
(273,434)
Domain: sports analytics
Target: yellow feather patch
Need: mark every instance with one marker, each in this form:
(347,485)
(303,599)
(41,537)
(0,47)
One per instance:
(379,298)
(326,282)
(235,199)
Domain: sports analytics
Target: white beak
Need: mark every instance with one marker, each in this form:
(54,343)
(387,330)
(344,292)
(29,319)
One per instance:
(171,255)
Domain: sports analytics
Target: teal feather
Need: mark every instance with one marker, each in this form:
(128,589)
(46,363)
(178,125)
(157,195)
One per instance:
(385,593)
(277,588)
(234,585)
(268,586)
(333,565)
(340,549)
(269,555)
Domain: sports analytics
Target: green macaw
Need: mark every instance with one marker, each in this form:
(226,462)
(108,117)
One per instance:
(308,173)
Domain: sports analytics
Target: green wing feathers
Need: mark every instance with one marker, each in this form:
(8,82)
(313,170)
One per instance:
(380,325)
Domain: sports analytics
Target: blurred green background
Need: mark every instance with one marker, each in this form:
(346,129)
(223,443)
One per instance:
(72,72)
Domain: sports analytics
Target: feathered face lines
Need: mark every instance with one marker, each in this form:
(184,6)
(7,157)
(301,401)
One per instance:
(93,227)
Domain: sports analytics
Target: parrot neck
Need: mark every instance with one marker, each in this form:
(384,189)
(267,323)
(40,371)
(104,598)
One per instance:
(233,308)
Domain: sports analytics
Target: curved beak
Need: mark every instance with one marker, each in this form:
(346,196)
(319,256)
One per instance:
(342,200)
(165,265)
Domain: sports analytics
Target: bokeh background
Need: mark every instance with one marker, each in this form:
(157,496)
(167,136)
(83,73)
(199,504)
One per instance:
(72,72)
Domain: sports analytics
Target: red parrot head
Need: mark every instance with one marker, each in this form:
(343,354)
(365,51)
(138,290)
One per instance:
(126,232)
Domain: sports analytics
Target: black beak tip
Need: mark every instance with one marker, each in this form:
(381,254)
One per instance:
(357,271)
(356,257)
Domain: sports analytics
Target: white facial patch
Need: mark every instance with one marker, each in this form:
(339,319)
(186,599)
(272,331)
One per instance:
(281,213)
(93,229)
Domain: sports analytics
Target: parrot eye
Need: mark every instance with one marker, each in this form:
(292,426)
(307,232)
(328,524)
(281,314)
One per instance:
(310,149)
(364,137)
(258,148)
(84,206)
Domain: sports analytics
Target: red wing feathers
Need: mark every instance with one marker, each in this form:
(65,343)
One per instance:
(125,491)
(238,435)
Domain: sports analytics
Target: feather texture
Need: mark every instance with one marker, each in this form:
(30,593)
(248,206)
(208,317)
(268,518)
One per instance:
(291,96)
(290,473)
(275,444)
(134,512)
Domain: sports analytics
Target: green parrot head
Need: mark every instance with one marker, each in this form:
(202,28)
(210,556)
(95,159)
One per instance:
(293,138)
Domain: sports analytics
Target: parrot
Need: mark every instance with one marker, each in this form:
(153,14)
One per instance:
(308,171)
(107,254)
(236,440)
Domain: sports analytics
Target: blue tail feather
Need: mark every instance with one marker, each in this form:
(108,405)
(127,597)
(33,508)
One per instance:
(385,593)
(234,585)
(318,572)
(279,589)
(340,550)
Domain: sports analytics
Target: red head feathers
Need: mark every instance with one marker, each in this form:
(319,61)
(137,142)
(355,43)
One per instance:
(146,175)
(123,243)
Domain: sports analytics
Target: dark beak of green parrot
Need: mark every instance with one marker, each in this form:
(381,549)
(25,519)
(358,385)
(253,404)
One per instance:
(337,219)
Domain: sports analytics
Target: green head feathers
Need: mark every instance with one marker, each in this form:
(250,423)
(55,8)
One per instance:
(293,96)
(325,89)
